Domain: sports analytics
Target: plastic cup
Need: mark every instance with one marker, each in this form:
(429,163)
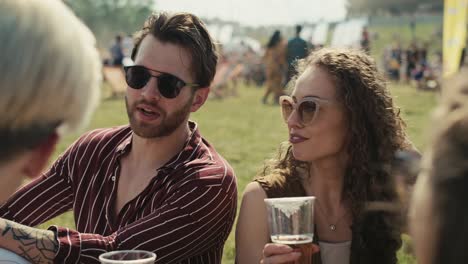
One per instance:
(291,222)
(128,257)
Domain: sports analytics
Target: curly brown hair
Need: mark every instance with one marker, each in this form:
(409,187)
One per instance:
(376,133)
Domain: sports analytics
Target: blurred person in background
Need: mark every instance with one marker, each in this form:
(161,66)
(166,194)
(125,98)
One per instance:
(275,67)
(343,132)
(117,51)
(438,214)
(297,49)
(365,40)
(127,46)
(47,88)
(412,60)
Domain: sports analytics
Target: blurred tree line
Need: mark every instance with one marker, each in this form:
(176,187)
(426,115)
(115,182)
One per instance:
(392,7)
(107,18)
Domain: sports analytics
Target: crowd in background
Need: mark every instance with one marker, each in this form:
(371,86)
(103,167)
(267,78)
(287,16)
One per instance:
(273,65)
(412,64)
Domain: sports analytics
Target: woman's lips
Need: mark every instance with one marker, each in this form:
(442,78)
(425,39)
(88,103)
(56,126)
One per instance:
(294,138)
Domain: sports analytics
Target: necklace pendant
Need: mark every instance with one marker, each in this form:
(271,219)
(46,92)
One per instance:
(332,227)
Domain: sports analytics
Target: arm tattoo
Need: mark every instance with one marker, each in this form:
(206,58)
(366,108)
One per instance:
(35,245)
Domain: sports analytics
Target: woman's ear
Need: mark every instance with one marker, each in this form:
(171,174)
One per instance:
(39,156)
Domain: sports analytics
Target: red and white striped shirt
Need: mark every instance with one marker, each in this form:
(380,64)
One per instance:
(184,215)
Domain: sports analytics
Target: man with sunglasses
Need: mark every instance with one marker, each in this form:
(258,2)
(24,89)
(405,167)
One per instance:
(155,184)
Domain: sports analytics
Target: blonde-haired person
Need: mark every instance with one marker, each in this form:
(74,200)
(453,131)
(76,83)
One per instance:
(49,85)
(343,132)
(438,214)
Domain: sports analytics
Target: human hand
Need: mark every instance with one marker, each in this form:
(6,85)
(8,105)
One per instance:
(279,253)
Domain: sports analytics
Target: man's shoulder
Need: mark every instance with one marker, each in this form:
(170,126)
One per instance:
(208,165)
(296,40)
(104,135)
(209,170)
(201,164)
(293,39)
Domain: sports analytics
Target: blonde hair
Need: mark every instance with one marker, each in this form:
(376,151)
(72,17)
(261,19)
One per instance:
(49,65)
(50,73)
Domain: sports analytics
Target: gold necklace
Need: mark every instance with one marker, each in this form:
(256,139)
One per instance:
(332,226)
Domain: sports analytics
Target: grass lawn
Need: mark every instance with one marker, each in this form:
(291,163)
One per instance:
(247,132)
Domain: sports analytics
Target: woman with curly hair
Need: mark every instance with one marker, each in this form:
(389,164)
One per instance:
(343,132)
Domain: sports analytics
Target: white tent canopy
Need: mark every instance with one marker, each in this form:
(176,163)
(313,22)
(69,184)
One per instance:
(241,43)
(348,33)
(224,34)
(307,33)
(320,34)
(221,33)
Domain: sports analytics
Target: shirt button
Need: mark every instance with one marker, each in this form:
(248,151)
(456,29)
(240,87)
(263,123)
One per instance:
(113,178)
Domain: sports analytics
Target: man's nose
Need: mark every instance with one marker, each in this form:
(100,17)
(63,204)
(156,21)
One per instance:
(151,89)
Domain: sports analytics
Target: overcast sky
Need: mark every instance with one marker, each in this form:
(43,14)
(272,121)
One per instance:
(260,12)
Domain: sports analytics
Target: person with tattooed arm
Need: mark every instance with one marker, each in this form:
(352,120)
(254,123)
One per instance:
(47,88)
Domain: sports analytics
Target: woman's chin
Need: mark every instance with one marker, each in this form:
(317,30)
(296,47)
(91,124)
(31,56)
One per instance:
(300,156)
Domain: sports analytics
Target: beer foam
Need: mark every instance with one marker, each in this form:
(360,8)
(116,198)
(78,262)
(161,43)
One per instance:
(289,208)
(292,239)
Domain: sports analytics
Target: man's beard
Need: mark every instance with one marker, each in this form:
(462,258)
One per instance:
(167,125)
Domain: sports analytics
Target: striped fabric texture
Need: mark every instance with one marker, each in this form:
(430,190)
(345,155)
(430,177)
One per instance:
(184,215)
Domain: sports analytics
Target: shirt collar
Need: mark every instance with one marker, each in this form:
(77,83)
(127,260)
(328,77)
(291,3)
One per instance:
(190,146)
(125,145)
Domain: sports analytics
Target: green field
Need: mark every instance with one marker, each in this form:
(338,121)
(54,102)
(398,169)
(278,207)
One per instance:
(247,132)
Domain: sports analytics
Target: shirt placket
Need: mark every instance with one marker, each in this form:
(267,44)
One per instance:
(111,195)
(138,203)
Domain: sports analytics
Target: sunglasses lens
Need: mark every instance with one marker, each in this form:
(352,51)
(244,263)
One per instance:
(136,77)
(307,111)
(169,85)
(286,109)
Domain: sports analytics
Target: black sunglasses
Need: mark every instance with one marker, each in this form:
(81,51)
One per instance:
(169,85)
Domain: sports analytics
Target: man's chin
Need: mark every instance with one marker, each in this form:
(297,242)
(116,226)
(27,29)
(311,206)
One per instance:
(151,132)
(146,132)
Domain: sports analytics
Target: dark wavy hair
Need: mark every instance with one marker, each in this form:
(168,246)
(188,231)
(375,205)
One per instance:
(275,39)
(188,31)
(376,132)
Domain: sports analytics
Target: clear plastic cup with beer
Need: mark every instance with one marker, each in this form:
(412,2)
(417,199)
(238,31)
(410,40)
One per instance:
(128,257)
(291,222)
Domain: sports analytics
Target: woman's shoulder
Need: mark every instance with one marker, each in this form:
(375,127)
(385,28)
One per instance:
(252,229)
(264,179)
(279,185)
(267,183)
(255,190)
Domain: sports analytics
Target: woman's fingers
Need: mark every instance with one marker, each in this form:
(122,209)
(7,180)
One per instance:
(278,253)
(283,258)
(274,249)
